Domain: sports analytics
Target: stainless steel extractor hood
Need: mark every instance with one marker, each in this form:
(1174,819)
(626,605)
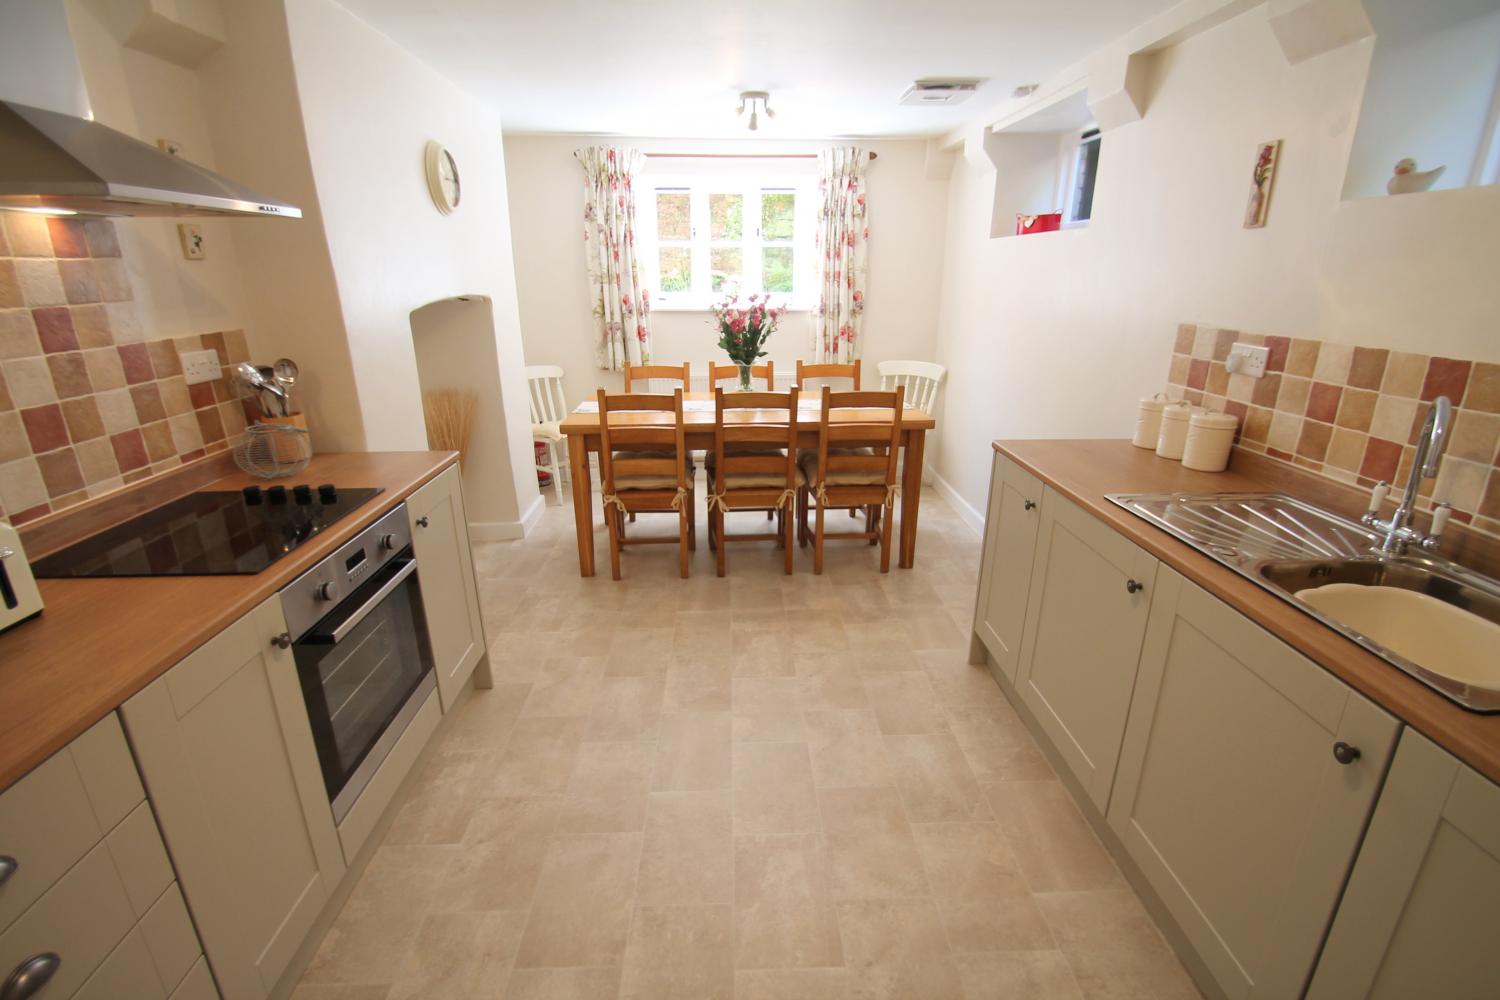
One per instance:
(56,160)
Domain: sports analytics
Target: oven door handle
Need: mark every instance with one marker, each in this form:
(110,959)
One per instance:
(337,634)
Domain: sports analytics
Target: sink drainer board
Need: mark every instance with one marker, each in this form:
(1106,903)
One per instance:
(1284,545)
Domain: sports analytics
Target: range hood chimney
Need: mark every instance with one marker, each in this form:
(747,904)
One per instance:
(56,160)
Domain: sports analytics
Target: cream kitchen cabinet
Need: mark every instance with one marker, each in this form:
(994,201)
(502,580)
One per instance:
(1246,777)
(450,597)
(1087,604)
(1005,576)
(226,751)
(1421,914)
(89,907)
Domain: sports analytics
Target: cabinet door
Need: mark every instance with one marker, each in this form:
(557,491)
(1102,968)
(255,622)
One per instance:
(440,539)
(226,751)
(1090,594)
(1005,578)
(1421,914)
(1230,797)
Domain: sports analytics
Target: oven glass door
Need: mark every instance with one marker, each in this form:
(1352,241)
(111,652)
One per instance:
(360,667)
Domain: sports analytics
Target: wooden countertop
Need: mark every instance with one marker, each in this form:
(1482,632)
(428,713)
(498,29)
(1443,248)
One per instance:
(1085,471)
(99,641)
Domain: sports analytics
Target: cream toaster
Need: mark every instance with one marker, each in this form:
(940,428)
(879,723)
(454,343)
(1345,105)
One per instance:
(19,598)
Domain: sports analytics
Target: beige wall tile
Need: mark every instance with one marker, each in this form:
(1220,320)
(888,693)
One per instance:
(27,234)
(1392,418)
(1461,483)
(124,323)
(104,367)
(13,441)
(1292,398)
(1404,374)
(18,336)
(41,282)
(1286,430)
(29,381)
(112,279)
(1333,364)
(1475,436)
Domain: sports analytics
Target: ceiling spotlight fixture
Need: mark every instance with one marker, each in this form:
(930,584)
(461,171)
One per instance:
(1024,90)
(750,98)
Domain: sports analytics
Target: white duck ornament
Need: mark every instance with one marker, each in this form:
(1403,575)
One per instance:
(1408,179)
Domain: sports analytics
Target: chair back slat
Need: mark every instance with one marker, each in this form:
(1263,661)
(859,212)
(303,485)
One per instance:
(544,387)
(849,371)
(780,431)
(841,411)
(922,380)
(682,374)
(718,373)
(635,431)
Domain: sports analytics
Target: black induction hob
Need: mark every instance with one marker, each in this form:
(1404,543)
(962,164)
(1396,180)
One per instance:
(210,533)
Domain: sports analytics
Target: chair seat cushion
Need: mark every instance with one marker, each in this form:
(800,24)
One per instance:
(757,480)
(549,429)
(653,482)
(841,477)
(744,448)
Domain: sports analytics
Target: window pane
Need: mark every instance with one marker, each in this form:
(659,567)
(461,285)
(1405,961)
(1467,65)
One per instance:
(777,210)
(673,216)
(676,269)
(726,265)
(776,269)
(726,216)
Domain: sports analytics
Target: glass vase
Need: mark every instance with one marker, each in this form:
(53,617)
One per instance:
(744,378)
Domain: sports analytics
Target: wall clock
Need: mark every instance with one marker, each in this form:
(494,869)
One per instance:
(442,178)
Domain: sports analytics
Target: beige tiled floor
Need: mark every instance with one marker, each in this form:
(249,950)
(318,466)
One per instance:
(757,788)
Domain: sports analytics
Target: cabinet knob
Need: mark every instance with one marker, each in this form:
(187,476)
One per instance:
(1344,753)
(282,641)
(8,866)
(28,978)
(1030,505)
(422,522)
(1134,586)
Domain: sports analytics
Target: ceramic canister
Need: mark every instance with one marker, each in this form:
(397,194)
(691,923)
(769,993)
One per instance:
(1174,428)
(1210,436)
(1148,421)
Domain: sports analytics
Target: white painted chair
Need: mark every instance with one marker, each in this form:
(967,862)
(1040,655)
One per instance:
(548,408)
(922,380)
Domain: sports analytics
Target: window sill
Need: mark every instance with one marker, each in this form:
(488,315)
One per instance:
(704,307)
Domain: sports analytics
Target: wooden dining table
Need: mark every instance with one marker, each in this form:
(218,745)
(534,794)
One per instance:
(582,430)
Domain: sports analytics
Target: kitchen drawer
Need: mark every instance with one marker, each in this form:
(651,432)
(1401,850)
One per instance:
(60,810)
(157,957)
(127,972)
(81,918)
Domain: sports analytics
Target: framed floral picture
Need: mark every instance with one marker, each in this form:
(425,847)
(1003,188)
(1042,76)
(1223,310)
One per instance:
(1267,156)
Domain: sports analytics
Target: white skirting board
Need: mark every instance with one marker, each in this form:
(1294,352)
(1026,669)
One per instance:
(966,513)
(507,531)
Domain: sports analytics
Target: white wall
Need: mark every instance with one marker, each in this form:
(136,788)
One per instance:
(370,108)
(1057,335)
(905,260)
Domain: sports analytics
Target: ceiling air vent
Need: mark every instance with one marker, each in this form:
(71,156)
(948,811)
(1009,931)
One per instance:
(940,92)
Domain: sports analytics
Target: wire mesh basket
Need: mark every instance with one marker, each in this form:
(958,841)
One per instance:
(271,451)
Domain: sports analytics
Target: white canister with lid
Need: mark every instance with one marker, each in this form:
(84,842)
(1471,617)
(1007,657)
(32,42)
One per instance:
(1174,428)
(1148,421)
(1210,437)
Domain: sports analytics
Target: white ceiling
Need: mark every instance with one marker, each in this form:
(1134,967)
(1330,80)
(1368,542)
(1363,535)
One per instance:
(673,68)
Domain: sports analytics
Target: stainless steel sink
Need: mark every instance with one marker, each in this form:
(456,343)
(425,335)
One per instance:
(1293,549)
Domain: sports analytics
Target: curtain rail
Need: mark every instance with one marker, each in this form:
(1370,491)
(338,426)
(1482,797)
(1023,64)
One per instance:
(739,156)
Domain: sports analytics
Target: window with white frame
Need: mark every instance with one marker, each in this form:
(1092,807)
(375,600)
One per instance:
(704,237)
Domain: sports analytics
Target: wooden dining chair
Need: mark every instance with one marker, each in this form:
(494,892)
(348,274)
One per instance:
(718,373)
(643,468)
(753,467)
(838,477)
(849,371)
(682,373)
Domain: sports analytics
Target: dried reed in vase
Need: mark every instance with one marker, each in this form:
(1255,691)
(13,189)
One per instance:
(450,420)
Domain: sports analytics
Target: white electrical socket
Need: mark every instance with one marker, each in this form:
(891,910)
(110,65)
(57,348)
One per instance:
(200,366)
(1247,359)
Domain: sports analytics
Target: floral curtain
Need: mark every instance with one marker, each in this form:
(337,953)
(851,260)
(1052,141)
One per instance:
(622,307)
(842,237)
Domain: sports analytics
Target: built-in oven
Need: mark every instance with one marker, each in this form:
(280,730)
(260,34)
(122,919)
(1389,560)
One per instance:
(363,653)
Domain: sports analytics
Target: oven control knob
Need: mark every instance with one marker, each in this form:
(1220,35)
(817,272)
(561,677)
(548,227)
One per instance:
(324,591)
(388,541)
(303,493)
(252,495)
(328,493)
(276,494)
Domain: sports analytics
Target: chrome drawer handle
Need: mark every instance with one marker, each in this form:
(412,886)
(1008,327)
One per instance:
(30,976)
(8,866)
(1344,753)
(1134,586)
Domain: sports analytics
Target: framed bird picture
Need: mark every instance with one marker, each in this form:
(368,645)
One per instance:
(1267,157)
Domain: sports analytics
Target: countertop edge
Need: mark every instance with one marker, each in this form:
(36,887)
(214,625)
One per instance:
(1472,737)
(24,749)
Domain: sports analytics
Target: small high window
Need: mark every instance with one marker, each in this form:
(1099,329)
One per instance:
(1085,169)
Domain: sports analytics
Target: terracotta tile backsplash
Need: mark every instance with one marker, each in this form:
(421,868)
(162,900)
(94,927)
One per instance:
(89,401)
(1353,413)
